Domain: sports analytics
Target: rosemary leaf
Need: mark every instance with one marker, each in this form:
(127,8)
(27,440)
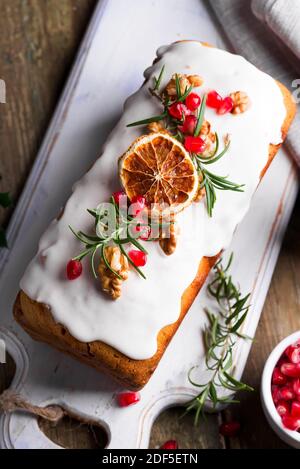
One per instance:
(200,116)
(157,81)
(149,120)
(220,338)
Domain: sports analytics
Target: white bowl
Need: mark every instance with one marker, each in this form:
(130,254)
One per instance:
(290,437)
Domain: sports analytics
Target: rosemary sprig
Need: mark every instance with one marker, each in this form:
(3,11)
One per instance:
(208,180)
(220,338)
(157,81)
(5,202)
(124,232)
(121,234)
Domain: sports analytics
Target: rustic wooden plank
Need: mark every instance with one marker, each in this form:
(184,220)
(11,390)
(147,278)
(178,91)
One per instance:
(279,319)
(38,42)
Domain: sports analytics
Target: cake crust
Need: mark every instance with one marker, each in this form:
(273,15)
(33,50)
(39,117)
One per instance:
(38,322)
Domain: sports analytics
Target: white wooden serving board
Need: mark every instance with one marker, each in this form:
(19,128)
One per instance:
(120,43)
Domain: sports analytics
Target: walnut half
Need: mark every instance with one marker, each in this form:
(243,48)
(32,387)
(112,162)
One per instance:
(240,102)
(168,243)
(185,81)
(111,284)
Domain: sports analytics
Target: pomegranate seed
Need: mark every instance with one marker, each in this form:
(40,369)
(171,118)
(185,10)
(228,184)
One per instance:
(139,258)
(194,144)
(193,101)
(286,393)
(74,269)
(189,125)
(214,100)
(229,429)
(226,106)
(296,387)
(291,369)
(170,444)
(128,398)
(118,197)
(178,111)
(283,408)
(138,204)
(295,412)
(293,353)
(143,231)
(278,377)
(291,423)
(275,394)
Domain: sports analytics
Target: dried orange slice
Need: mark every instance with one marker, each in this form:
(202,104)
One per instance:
(158,167)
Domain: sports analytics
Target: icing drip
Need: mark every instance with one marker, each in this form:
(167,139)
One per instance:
(131,324)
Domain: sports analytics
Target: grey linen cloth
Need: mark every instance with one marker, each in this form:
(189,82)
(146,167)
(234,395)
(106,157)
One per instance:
(283,18)
(250,37)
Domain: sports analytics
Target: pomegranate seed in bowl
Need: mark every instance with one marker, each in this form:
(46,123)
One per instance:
(293,353)
(295,409)
(283,408)
(291,369)
(278,377)
(291,423)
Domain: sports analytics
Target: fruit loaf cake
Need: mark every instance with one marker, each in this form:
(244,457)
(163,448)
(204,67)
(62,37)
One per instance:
(215,122)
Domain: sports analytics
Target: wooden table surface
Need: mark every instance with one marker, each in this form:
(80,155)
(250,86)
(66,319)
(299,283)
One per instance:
(38,42)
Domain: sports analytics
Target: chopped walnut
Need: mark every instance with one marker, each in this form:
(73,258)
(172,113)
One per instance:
(240,102)
(111,284)
(208,136)
(169,243)
(184,81)
(195,80)
(156,127)
(200,194)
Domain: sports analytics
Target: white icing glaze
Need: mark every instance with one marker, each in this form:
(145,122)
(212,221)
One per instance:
(131,324)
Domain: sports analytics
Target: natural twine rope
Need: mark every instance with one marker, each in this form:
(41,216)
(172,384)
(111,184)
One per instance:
(10,401)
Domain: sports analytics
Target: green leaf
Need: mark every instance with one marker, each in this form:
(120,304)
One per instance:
(177,83)
(3,240)
(237,383)
(5,199)
(185,94)
(200,116)
(158,80)
(149,120)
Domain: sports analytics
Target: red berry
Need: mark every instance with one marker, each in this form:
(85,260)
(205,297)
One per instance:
(291,369)
(275,394)
(229,429)
(128,398)
(226,106)
(170,444)
(74,269)
(296,387)
(118,197)
(291,423)
(283,408)
(293,353)
(138,204)
(193,101)
(178,111)
(189,125)
(295,411)
(278,377)
(286,393)
(139,258)
(214,100)
(194,144)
